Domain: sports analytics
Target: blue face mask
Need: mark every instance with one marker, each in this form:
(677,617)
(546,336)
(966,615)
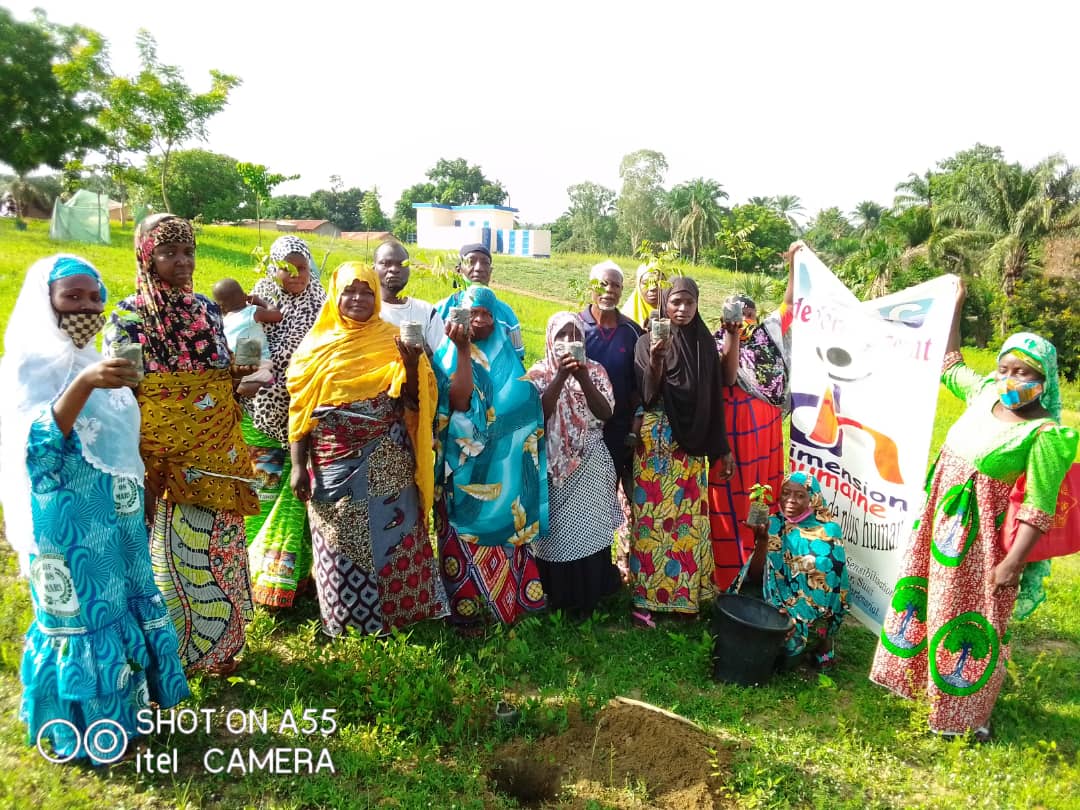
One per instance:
(1015,394)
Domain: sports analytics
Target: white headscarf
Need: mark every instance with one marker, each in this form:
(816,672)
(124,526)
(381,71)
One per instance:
(39,363)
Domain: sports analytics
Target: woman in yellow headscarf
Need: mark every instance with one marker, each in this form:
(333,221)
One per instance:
(642,301)
(360,415)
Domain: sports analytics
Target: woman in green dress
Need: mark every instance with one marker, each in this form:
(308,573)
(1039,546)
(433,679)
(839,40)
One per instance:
(945,635)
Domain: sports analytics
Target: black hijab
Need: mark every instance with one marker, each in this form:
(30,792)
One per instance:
(693,380)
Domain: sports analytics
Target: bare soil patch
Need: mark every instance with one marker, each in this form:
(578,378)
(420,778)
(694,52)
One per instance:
(629,755)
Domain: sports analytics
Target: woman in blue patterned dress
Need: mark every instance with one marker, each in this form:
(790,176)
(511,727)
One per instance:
(800,563)
(101,645)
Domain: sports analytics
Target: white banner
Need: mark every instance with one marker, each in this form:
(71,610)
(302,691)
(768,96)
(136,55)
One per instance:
(864,386)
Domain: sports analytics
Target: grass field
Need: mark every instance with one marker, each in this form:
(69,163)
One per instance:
(414,714)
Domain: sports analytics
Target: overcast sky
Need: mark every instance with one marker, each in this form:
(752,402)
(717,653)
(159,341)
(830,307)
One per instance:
(832,101)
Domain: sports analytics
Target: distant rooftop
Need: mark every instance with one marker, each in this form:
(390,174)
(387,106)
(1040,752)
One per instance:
(466,207)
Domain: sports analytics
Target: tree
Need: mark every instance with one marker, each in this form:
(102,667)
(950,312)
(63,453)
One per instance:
(157,109)
(787,206)
(453,182)
(831,236)
(371,213)
(458,183)
(867,215)
(294,206)
(591,221)
(753,238)
(404,221)
(203,183)
(1048,303)
(693,212)
(262,183)
(47,109)
(1000,213)
(642,173)
(913,192)
(342,205)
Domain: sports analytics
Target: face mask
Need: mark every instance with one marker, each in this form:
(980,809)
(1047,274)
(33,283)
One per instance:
(1015,394)
(81,326)
(800,518)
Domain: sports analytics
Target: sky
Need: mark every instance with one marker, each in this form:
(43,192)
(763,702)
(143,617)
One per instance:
(833,101)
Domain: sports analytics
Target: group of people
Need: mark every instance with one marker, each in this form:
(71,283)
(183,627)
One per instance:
(154,499)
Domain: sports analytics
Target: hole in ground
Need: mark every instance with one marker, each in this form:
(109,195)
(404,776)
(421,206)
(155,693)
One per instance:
(529,781)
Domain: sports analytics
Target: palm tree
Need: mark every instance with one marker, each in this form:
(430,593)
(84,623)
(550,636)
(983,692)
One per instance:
(1004,211)
(764,202)
(693,213)
(915,191)
(788,205)
(867,216)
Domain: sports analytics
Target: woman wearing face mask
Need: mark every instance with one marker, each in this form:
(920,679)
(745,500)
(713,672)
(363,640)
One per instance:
(946,633)
(101,645)
(800,567)
(198,477)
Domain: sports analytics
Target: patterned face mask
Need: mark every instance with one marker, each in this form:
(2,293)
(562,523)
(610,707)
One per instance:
(1015,394)
(81,326)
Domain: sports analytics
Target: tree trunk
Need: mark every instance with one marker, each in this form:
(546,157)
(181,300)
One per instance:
(164,169)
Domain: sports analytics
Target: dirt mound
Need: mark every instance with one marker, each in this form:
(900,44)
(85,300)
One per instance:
(630,755)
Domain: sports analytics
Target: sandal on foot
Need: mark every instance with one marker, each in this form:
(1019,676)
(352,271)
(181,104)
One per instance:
(642,619)
(982,734)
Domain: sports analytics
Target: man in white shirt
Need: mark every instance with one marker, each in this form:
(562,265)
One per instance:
(392,267)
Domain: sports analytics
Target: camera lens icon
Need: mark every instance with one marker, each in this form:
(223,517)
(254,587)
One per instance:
(104,741)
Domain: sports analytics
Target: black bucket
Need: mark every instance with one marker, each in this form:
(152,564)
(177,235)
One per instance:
(749,635)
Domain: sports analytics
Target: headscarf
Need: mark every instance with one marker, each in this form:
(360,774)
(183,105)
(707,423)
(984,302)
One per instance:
(598,270)
(39,363)
(636,307)
(1037,353)
(572,420)
(764,357)
(693,382)
(342,361)
(64,266)
(818,507)
(287,245)
(177,332)
(269,407)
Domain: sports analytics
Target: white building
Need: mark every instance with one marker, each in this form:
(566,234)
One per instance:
(448,227)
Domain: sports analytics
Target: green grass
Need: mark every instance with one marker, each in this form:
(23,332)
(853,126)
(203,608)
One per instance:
(414,713)
(535,288)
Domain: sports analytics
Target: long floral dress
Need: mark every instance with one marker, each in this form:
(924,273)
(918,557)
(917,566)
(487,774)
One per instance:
(945,634)
(374,564)
(671,560)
